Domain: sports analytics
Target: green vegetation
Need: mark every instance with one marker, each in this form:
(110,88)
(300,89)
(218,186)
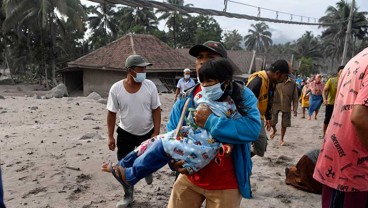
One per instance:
(40,36)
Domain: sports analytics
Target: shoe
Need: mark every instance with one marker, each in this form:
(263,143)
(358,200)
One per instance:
(127,199)
(149,179)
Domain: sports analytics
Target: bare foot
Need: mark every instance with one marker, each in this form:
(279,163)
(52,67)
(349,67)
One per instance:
(282,143)
(273,134)
(117,171)
(303,117)
(309,118)
(315,117)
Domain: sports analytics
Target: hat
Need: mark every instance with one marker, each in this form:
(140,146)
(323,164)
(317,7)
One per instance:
(186,70)
(213,46)
(136,60)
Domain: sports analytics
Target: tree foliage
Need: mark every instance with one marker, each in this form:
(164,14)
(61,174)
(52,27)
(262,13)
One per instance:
(233,40)
(259,38)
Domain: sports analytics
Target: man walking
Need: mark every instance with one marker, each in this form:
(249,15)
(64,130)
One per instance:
(136,100)
(184,83)
(329,101)
(286,95)
(262,83)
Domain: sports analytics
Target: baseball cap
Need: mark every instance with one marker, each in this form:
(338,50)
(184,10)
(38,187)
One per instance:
(213,46)
(136,60)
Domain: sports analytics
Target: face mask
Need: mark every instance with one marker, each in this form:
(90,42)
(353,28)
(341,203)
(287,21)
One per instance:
(186,76)
(213,92)
(140,77)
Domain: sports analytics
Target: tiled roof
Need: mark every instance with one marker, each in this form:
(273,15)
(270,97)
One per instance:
(113,55)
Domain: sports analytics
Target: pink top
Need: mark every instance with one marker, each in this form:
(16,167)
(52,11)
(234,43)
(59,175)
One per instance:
(343,161)
(316,88)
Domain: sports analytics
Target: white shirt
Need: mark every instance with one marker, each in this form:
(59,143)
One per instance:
(183,85)
(135,109)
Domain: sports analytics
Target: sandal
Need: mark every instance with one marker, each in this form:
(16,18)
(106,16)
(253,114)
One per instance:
(118,175)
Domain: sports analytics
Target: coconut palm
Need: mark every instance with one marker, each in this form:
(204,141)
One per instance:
(259,38)
(173,18)
(336,32)
(103,24)
(136,20)
(232,40)
(39,19)
(308,46)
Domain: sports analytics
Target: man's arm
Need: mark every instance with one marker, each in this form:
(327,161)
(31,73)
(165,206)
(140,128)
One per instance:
(156,116)
(111,119)
(359,119)
(177,93)
(255,86)
(325,91)
(295,100)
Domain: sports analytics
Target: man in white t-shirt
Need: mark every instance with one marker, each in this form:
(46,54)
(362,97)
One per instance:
(184,83)
(137,103)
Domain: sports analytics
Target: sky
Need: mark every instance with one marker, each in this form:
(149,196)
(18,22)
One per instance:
(281,33)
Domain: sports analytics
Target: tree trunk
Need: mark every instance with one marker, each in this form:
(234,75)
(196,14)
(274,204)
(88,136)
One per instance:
(52,46)
(8,66)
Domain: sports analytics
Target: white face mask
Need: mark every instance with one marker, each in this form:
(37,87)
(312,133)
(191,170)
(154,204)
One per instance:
(213,92)
(186,76)
(140,77)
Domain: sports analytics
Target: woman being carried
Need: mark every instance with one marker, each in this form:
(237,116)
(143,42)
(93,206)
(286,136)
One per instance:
(193,144)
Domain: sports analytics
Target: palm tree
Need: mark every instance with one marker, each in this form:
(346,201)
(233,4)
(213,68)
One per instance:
(336,32)
(173,18)
(39,18)
(232,40)
(259,38)
(308,46)
(103,24)
(136,20)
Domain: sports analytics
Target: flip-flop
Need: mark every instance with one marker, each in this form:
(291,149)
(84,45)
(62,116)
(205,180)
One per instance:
(118,176)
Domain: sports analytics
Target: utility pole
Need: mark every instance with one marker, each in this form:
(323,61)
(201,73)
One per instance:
(348,33)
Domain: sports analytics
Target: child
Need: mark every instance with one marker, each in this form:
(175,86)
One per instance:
(304,98)
(194,145)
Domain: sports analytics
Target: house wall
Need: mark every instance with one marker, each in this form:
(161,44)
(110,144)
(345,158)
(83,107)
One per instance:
(100,81)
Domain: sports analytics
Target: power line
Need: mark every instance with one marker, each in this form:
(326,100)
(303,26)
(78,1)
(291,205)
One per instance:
(211,12)
(302,17)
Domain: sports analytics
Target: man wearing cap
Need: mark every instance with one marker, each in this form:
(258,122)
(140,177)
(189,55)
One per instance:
(225,185)
(184,83)
(136,100)
(262,83)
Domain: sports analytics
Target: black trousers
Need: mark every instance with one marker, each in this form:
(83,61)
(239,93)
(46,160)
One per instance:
(126,142)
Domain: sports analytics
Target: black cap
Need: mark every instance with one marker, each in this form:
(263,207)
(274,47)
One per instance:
(136,60)
(213,46)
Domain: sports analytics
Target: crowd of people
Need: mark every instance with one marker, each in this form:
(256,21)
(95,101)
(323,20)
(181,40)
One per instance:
(217,125)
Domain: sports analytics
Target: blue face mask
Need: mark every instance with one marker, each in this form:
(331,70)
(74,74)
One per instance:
(213,92)
(140,77)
